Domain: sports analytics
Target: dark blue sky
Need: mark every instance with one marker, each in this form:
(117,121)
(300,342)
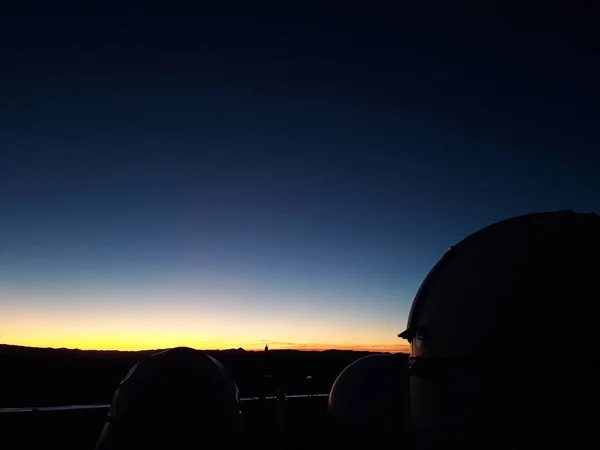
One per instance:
(279,160)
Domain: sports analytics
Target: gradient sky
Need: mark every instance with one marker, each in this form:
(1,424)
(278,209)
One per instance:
(233,178)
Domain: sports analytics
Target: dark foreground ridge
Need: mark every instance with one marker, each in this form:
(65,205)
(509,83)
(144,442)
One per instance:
(54,377)
(281,406)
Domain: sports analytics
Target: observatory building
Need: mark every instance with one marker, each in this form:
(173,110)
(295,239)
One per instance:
(504,342)
(176,399)
(368,403)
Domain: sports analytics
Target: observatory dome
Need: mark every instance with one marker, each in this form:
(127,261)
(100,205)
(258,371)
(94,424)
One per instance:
(504,347)
(375,386)
(528,280)
(368,404)
(176,393)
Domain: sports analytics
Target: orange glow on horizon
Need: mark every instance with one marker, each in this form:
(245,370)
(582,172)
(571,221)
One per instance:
(253,348)
(157,343)
(105,324)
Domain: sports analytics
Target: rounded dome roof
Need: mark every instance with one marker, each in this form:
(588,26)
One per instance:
(177,398)
(375,386)
(180,384)
(523,286)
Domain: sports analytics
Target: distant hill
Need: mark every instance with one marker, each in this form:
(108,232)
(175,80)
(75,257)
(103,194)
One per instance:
(16,348)
(34,376)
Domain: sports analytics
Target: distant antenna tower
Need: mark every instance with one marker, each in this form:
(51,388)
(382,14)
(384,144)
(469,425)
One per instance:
(267,367)
(266,372)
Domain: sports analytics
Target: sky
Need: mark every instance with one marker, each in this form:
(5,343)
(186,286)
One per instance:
(241,177)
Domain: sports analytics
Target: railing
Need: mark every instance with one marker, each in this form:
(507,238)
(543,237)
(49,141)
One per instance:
(32,409)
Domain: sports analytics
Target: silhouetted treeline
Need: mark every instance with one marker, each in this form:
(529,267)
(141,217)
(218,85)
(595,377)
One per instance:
(44,377)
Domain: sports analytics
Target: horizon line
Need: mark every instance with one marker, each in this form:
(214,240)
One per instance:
(299,349)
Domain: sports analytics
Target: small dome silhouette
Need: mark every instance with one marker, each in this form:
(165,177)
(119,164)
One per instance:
(368,403)
(177,396)
(375,386)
